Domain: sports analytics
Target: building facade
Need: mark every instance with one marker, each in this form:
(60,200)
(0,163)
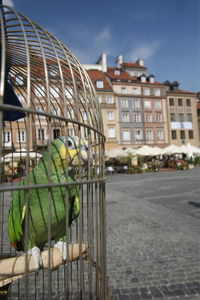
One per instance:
(182,115)
(136,109)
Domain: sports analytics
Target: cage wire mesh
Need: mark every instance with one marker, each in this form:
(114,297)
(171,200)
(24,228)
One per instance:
(58,119)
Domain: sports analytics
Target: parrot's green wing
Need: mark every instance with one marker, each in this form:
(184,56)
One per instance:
(16,218)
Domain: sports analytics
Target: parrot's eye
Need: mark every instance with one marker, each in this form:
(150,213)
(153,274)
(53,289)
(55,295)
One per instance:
(69,143)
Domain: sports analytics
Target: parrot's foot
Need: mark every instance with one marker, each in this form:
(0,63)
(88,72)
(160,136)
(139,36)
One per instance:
(36,253)
(62,246)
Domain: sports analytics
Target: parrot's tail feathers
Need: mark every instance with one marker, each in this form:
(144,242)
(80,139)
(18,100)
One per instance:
(17,245)
(14,244)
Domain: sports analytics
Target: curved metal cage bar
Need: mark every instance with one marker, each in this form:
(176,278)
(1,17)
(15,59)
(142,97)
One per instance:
(56,99)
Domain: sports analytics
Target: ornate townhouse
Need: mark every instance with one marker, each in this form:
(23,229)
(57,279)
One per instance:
(182,115)
(107,102)
(141,105)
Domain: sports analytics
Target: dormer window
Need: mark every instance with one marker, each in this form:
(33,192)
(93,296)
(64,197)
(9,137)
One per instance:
(143,78)
(99,84)
(151,78)
(117,72)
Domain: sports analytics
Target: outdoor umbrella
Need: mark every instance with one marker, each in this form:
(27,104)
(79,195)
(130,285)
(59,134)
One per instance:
(130,151)
(19,154)
(115,152)
(172,149)
(144,151)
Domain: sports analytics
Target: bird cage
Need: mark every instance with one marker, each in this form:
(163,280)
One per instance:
(51,151)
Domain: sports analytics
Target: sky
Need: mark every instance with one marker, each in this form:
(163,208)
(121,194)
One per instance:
(165,33)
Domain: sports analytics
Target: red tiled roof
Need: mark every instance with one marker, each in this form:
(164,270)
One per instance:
(133,65)
(178,91)
(98,75)
(123,75)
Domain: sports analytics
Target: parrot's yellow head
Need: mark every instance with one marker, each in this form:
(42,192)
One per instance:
(73,149)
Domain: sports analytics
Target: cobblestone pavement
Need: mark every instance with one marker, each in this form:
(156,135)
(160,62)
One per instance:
(153,236)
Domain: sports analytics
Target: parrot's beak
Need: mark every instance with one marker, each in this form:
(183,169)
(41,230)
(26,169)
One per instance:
(82,157)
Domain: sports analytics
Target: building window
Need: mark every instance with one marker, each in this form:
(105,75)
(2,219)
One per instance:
(149,135)
(70,131)
(41,136)
(20,97)
(174,137)
(171,101)
(143,79)
(55,111)
(53,71)
(41,110)
(189,117)
(70,113)
(135,91)
(126,135)
(19,80)
(136,103)
(147,104)
(109,100)
(99,84)
(159,118)
(188,102)
(180,102)
(21,136)
(54,92)
(123,90)
(137,118)
(125,117)
(40,91)
(172,117)
(56,133)
(110,115)
(191,134)
(182,134)
(111,132)
(69,92)
(124,103)
(181,117)
(148,118)
(138,134)
(99,99)
(117,72)
(158,104)
(157,92)
(146,91)
(7,137)
(84,115)
(160,135)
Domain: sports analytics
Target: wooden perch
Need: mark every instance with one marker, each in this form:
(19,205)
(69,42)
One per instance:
(15,268)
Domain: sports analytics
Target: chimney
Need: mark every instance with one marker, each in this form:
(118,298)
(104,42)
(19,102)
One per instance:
(103,62)
(119,61)
(140,62)
(174,86)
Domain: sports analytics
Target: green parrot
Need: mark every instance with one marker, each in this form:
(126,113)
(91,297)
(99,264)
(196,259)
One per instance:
(38,199)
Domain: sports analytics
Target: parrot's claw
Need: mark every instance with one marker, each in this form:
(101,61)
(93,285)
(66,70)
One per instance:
(62,246)
(36,253)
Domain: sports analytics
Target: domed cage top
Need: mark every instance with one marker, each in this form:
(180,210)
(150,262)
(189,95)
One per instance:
(49,117)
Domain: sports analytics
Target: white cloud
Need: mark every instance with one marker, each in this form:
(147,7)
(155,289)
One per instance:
(8,3)
(104,35)
(144,50)
(91,43)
